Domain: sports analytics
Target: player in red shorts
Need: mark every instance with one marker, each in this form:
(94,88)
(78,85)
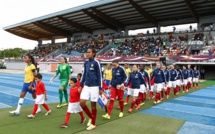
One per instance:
(40,91)
(119,79)
(74,103)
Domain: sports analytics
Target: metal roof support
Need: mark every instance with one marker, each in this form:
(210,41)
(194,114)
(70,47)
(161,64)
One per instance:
(23,35)
(57,31)
(192,10)
(99,20)
(143,12)
(76,25)
(109,19)
(36,33)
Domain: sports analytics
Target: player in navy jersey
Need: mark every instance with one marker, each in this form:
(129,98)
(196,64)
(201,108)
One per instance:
(159,80)
(166,73)
(185,76)
(136,79)
(118,81)
(143,89)
(190,76)
(179,78)
(196,75)
(173,77)
(91,82)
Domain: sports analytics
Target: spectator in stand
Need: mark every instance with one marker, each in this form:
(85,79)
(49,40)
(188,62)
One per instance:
(191,27)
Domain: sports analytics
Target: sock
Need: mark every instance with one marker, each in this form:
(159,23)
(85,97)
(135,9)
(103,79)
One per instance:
(161,94)
(65,95)
(197,84)
(87,111)
(188,85)
(175,91)
(19,105)
(132,104)
(60,96)
(140,97)
(144,97)
(67,118)
(168,91)
(110,107)
(35,109)
(159,97)
(38,109)
(94,114)
(46,107)
(82,115)
(183,88)
(127,98)
(137,102)
(193,84)
(121,104)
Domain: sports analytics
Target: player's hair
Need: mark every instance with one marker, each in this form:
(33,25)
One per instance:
(93,51)
(65,59)
(80,74)
(39,76)
(73,80)
(136,65)
(31,58)
(115,61)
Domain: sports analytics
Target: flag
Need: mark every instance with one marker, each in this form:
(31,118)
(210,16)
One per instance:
(102,101)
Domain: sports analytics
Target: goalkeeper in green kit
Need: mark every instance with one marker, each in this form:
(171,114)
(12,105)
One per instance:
(65,75)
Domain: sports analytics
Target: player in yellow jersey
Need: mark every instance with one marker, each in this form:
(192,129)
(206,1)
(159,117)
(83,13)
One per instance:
(149,70)
(127,70)
(108,74)
(29,82)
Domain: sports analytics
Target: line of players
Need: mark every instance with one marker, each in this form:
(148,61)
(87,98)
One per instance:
(159,81)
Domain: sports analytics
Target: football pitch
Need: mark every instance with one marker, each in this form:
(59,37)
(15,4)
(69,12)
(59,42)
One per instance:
(184,114)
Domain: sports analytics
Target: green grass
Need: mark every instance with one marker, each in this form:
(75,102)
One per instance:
(136,123)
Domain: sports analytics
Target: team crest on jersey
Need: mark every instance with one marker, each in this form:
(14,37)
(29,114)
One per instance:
(91,67)
(159,72)
(117,72)
(136,76)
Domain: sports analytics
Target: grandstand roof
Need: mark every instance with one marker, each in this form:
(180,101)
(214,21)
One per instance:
(115,15)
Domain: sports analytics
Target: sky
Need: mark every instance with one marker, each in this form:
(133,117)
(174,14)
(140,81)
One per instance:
(15,11)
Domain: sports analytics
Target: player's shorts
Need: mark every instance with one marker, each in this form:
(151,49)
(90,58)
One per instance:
(178,82)
(135,92)
(152,88)
(185,82)
(164,86)
(107,82)
(25,88)
(172,84)
(40,99)
(142,89)
(158,87)
(90,92)
(189,79)
(116,93)
(129,91)
(64,83)
(74,107)
(196,80)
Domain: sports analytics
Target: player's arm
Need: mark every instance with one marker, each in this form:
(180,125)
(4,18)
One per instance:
(129,81)
(83,78)
(125,77)
(99,75)
(176,74)
(56,74)
(33,69)
(69,72)
(163,75)
(142,79)
(147,76)
(153,75)
(182,76)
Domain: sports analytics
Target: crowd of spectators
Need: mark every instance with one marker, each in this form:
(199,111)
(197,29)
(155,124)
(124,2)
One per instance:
(44,50)
(83,46)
